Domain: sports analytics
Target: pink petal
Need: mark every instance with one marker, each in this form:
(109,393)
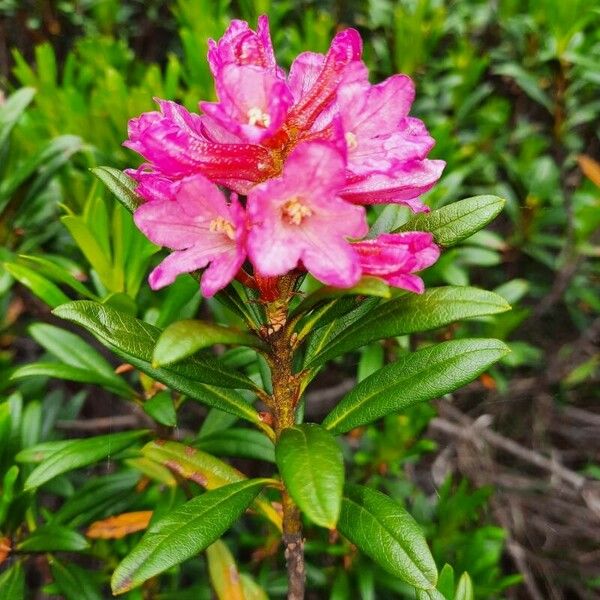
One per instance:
(403,186)
(240,45)
(312,175)
(372,110)
(345,49)
(253,102)
(179,223)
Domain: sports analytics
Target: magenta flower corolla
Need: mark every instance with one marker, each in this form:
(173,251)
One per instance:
(299,218)
(201,227)
(395,257)
(305,149)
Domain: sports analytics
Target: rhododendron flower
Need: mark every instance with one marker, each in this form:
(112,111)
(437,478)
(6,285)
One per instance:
(395,257)
(198,224)
(305,149)
(299,218)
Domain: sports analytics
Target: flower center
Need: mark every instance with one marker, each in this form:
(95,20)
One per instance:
(351,140)
(221,225)
(256,116)
(295,212)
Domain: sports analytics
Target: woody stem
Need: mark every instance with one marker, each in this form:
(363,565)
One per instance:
(286,392)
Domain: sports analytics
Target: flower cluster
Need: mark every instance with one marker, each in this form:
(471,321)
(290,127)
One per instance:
(307,150)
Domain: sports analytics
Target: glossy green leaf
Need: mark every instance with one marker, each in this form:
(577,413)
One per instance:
(387,533)
(184,338)
(72,350)
(464,590)
(184,532)
(80,453)
(367,286)
(202,468)
(74,582)
(131,338)
(40,452)
(69,373)
(122,186)
(161,408)
(415,377)
(44,289)
(12,583)
(411,313)
(312,468)
(53,538)
(457,221)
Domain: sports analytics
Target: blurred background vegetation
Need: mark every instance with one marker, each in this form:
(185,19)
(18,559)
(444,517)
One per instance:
(504,475)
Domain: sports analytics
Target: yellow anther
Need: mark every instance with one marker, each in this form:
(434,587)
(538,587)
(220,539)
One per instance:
(257,117)
(351,140)
(221,225)
(295,212)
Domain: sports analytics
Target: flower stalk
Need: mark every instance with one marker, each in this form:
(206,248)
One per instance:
(286,393)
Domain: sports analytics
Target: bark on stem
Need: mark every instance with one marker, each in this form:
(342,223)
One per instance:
(286,392)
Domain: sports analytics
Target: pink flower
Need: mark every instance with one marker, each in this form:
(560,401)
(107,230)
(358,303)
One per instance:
(387,149)
(173,143)
(253,103)
(202,229)
(299,218)
(394,257)
(242,46)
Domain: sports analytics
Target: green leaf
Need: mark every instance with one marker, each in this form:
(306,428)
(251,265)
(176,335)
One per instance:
(122,186)
(387,533)
(40,452)
(12,583)
(57,273)
(245,443)
(72,350)
(415,377)
(131,338)
(445,584)
(312,468)
(457,221)
(202,468)
(79,453)
(53,538)
(184,532)
(160,407)
(367,286)
(464,590)
(40,286)
(69,373)
(73,581)
(92,249)
(11,111)
(184,338)
(411,313)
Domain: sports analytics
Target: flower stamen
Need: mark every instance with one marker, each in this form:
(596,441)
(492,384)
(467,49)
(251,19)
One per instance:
(295,212)
(256,116)
(351,140)
(221,225)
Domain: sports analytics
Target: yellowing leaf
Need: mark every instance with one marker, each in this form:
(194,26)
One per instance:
(590,168)
(224,575)
(5,548)
(117,527)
